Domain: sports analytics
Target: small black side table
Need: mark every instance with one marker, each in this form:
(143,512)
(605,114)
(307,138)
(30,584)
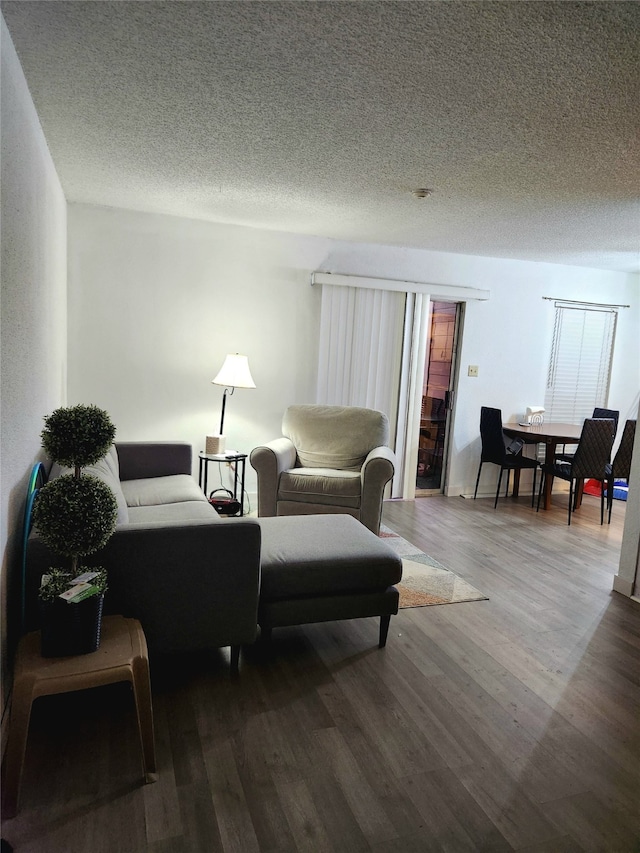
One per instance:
(238,471)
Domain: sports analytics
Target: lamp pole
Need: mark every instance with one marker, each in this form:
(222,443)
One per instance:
(224,402)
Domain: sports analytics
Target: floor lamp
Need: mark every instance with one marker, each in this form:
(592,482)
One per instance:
(233,374)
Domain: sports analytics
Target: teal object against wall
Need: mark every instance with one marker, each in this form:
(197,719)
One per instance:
(37,479)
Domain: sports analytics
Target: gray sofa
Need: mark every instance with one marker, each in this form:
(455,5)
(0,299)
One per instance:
(193,578)
(190,576)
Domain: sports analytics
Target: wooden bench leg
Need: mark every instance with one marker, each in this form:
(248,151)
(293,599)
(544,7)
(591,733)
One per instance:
(144,711)
(17,745)
(141,683)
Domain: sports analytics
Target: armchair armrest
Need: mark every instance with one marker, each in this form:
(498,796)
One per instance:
(269,461)
(141,459)
(378,468)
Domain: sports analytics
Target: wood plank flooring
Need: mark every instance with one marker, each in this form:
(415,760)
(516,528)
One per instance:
(499,725)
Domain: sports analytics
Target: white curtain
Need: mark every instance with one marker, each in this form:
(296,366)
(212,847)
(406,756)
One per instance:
(360,347)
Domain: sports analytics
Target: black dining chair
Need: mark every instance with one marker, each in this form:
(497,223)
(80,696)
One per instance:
(614,414)
(502,451)
(590,461)
(620,468)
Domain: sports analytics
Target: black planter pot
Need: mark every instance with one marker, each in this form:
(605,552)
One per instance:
(70,629)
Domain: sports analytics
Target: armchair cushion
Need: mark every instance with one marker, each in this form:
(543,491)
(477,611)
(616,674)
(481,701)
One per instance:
(321,485)
(319,444)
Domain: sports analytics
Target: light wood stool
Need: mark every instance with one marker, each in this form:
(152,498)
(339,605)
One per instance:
(121,656)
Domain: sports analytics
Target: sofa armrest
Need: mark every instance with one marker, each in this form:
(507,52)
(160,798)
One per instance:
(138,460)
(269,461)
(192,585)
(378,468)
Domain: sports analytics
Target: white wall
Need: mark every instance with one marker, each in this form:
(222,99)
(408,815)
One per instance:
(33,306)
(156,302)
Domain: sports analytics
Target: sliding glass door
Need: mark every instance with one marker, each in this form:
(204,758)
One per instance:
(437,397)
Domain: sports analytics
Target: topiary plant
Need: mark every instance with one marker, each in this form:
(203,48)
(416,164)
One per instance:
(75,514)
(77,436)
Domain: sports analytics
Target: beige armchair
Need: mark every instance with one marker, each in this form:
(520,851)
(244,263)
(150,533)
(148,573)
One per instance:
(330,459)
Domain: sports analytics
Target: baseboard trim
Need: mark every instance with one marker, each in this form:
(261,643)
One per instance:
(623,586)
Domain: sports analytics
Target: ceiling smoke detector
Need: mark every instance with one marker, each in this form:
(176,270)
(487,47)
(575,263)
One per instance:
(422,192)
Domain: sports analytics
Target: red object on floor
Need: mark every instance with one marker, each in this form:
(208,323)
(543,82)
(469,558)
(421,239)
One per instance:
(593,487)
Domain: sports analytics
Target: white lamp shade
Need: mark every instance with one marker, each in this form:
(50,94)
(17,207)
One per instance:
(235,372)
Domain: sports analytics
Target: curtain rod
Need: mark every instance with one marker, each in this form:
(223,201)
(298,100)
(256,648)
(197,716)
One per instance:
(445,291)
(557,299)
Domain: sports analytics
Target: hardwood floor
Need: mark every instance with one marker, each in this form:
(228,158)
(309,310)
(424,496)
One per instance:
(507,724)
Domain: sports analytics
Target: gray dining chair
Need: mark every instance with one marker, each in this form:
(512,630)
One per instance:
(620,468)
(590,461)
(614,414)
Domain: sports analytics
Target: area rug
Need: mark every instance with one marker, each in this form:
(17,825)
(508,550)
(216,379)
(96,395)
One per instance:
(425,581)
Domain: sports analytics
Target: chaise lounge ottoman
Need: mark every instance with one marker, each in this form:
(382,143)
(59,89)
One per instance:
(317,568)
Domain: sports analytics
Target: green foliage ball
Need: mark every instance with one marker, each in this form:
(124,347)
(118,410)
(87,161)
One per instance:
(78,435)
(75,515)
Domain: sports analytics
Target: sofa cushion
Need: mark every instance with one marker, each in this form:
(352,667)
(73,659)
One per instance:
(153,491)
(323,554)
(321,486)
(183,511)
(334,436)
(104,469)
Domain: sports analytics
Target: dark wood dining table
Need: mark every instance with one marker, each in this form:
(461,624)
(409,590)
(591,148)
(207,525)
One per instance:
(551,435)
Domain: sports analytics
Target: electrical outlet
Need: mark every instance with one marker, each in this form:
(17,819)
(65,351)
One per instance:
(473,370)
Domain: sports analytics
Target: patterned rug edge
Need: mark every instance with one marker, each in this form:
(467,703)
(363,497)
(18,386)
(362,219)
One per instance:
(425,581)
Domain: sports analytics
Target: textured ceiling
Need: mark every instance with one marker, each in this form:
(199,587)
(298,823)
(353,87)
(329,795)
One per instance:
(321,117)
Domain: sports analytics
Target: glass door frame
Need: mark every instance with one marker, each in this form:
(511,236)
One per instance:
(450,393)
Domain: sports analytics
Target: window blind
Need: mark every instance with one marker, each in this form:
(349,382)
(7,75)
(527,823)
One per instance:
(580,363)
